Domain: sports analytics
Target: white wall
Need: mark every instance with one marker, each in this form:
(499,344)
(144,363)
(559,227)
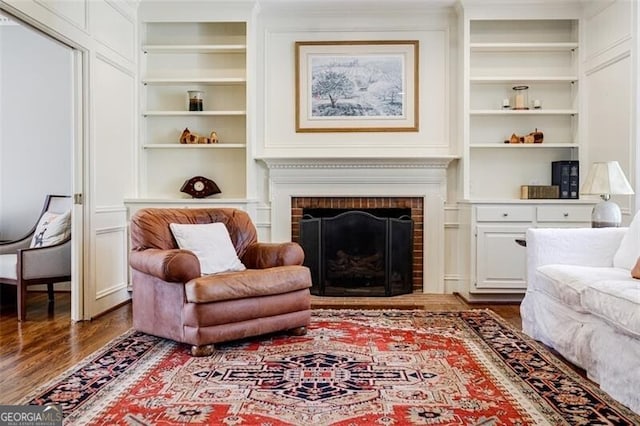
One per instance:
(610,37)
(37,132)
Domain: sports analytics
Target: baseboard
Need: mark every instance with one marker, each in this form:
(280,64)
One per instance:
(489,298)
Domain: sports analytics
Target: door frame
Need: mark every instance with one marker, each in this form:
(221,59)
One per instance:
(80,133)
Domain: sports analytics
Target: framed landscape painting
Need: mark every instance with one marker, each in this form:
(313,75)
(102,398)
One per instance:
(357,86)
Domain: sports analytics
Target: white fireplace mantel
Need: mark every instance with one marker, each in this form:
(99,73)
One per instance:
(434,162)
(366,177)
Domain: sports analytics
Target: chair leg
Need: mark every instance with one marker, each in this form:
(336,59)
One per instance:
(22,298)
(298,331)
(203,350)
(50,293)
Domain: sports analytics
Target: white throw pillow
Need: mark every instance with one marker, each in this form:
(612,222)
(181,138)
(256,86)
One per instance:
(211,244)
(53,228)
(629,249)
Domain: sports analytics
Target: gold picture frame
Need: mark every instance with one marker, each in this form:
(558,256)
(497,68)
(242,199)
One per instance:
(357,86)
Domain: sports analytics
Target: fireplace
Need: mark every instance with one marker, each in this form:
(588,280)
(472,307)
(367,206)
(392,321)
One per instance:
(418,182)
(358,252)
(393,207)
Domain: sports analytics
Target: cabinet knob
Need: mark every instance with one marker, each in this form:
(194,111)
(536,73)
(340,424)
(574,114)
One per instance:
(566,214)
(505,214)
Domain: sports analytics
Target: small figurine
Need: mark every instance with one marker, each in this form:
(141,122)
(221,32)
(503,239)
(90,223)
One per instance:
(193,138)
(533,137)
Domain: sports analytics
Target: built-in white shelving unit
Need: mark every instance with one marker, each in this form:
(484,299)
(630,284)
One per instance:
(499,55)
(182,55)
(500,52)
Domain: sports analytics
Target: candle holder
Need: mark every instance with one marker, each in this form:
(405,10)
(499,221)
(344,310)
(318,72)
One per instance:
(195,100)
(521,97)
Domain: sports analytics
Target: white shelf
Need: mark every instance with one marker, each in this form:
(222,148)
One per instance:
(191,113)
(194,48)
(195,80)
(524,112)
(524,79)
(194,146)
(523,47)
(544,145)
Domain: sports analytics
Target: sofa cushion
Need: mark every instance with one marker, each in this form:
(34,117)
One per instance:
(211,244)
(629,250)
(248,283)
(615,301)
(565,283)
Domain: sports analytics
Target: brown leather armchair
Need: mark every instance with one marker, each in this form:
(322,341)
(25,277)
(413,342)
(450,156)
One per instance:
(172,299)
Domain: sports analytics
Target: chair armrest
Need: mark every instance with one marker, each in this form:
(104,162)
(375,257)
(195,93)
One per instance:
(269,255)
(10,247)
(173,265)
(44,262)
(571,246)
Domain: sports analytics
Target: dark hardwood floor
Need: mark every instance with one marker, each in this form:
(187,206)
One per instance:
(48,343)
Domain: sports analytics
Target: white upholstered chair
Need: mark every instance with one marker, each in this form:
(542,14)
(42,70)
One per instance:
(43,255)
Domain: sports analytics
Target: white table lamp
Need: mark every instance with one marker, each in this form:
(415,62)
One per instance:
(606,179)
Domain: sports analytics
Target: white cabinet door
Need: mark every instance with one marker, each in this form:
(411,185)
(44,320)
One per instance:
(500,261)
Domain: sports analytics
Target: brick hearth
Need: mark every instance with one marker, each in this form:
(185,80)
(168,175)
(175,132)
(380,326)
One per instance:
(416,204)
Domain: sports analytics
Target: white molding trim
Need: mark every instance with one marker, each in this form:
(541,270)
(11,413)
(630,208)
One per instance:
(439,162)
(607,63)
(6,21)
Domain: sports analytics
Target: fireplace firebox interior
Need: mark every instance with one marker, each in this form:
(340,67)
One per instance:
(358,252)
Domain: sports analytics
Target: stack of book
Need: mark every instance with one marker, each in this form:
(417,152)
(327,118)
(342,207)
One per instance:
(565,174)
(565,183)
(538,192)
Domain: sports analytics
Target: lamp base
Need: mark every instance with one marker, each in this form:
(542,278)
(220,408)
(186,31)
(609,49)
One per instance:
(606,214)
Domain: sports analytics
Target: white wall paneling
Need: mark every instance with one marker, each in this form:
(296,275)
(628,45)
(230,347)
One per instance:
(112,159)
(74,12)
(113,130)
(111,248)
(280,138)
(610,135)
(112,27)
(610,109)
(452,267)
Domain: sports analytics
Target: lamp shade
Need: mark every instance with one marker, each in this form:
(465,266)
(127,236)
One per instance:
(606,178)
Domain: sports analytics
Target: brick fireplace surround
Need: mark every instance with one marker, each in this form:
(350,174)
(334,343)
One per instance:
(425,179)
(414,203)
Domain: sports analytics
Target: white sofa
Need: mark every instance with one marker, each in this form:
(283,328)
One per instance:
(582,301)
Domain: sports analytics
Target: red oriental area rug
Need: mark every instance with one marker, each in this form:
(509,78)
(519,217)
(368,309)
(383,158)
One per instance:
(352,368)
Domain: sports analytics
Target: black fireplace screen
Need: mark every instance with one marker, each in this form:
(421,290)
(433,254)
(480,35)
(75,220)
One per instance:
(357,252)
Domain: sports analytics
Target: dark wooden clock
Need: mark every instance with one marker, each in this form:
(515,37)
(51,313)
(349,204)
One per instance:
(200,187)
